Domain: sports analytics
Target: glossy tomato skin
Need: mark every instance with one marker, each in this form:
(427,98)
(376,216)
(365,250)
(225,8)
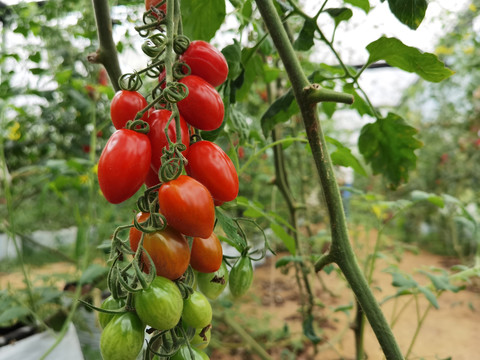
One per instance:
(109,304)
(124,165)
(206,254)
(188,206)
(201,342)
(184,354)
(152,178)
(211,166)
(125,106)
(197,311)
(150,3)
(203,107)
(158,120)
(168,249)
(206,61)
(122,338)
(213,284)
(241,277)
(161,305)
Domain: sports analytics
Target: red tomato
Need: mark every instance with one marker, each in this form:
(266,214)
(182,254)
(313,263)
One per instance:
(103,77)
(158,121)
(123,165)
(206,61)
(150,3)
(125,106)
(152,178)
(168,249)
(211,166)
(203,107)
(206,254)
(188,206)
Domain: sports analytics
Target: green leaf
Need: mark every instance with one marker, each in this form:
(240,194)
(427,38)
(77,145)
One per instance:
(358,103)
(344,308)
(362,4)
(305,39)
(35,57)
(202,18)
(92,273)
(389,145)
(287,240)
(280,111)
(253,71)
(64,76)
(441,282)
(403,281)
(407,58)
(339,14)
(13,313)
(233,55)
(409,12)
(418,195)
(343,156)
(230,229)
(429,295)
(284,261)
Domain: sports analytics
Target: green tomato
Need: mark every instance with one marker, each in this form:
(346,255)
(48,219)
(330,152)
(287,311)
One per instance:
(213,284)
(184,354)
(109,304)
(197,311)
(122,338)
(161,305)
(201,342)
(241,277)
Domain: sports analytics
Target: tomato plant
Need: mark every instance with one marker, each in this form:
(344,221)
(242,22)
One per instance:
(125,106)
(206,61)
(206,254)
(213,284)
(160,306)
(150,3)
(124,165)
(210,165)
(168,249)
(122,338)
(197,311)
(158,121)
(110,303)
(241,277)
(203,107)
(188,206)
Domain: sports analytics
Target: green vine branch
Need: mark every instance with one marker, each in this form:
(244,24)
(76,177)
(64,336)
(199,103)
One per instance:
(341,251)
(107,51)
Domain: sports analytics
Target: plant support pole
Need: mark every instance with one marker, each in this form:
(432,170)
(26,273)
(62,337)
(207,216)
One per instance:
(307,96)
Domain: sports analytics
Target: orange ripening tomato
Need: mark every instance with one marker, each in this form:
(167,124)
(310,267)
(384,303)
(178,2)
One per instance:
(206,254)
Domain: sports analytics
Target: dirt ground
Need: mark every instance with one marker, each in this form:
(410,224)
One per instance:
(451,332)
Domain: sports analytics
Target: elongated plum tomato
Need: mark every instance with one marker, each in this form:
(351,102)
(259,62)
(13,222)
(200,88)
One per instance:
(206,254)
(158,121)
(168,249)
(211,166)
(109,304)
(188,206)
(197,311)
(152,178)
(213,284)
(124,165)
(206,61)
(203,107)
(125,106)
(241,277)
(161,305)
(122,338)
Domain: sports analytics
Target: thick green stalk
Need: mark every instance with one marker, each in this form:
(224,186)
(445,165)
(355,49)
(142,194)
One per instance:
(107,51)
(341,251)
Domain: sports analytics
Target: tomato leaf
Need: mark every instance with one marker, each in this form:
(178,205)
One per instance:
(362,4)
(441,282)
(403,282)
(418,195)
(409,12)
(92,273)
(280,111)
(339,14)
(343,156)
(408,58)
(430,296)
(233,55)
(287,239)
(389,145)
(202,18)
(284,261)
(230,229)
(305,39)
(14,313)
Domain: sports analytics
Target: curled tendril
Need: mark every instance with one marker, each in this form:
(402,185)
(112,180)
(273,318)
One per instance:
(180,44)
(175,92)
(171,168)
(180,70)
(130,81)
(150,23)
(151,49)
(138,126)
